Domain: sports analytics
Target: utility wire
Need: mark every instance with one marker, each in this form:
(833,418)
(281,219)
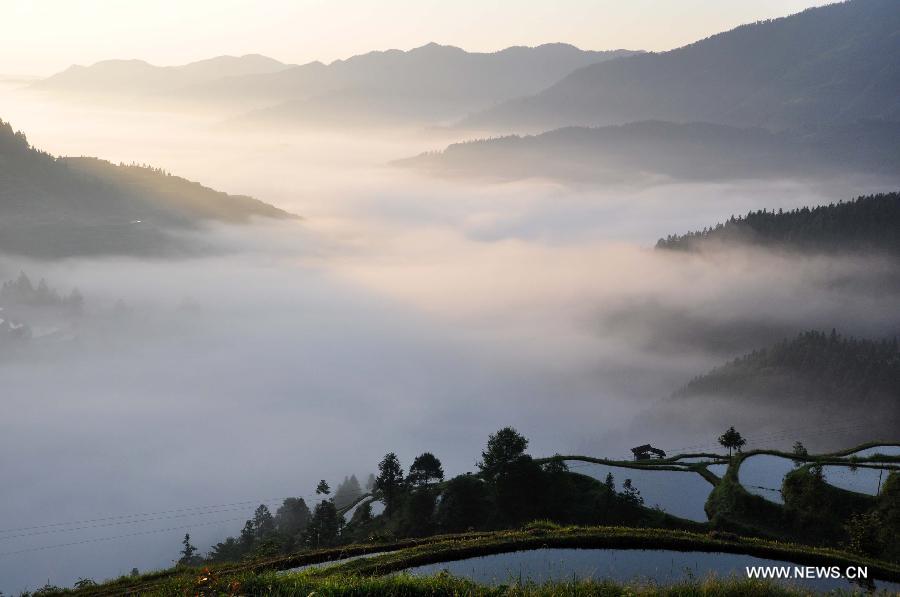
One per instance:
(121,523)
(151,516)
(137,534)
(135,519)
(124,516)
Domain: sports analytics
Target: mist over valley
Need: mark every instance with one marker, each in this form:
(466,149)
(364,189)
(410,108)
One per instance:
(228,280)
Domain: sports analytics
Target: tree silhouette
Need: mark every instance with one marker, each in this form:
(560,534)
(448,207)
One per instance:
(325,525)
(503,448)
(631,494)
(322,488)
(732,440)
(425,469)
(347,491)
(389,481)
(263,522)
(188,552)
(292,517)
(800,453)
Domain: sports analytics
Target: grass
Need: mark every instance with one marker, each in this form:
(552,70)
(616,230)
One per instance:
(372,575)
(442,584)
(543,535)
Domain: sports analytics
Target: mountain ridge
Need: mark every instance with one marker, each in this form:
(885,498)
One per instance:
(135,76)
(834,63)
(648,150)
(433,81)
(54,207)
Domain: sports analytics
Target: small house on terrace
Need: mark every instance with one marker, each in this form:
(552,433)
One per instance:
(647,452)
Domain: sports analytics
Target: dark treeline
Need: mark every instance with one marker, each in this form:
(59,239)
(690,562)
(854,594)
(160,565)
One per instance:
(868,223)
(22,292)
(509,489)
(24,303)
(825,369)
(293,526)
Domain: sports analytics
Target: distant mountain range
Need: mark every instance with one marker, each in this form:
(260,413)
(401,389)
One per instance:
(58,207)
(833,64)
(430,83)
(865,224)
(132,78)
(654,150)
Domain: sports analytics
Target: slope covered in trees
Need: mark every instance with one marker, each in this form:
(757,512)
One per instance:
(836,63)
(869,223)
(510,489)
(815,369)
(55,207)
(695,151)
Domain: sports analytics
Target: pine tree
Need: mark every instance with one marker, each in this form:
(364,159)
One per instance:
(389,481)
(188,552)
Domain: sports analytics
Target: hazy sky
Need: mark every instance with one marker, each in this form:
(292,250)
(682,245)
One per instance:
(43,36)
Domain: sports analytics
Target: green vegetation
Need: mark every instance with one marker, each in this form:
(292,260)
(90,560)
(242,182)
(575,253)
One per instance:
(369,574)
(814,512)
(447,585)
(732,440)
(829,371)
(868,223)
(58,207)
(511,489)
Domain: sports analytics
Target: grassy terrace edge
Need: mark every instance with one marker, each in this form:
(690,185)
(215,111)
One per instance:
(457,547)
(548,535)
(270,585)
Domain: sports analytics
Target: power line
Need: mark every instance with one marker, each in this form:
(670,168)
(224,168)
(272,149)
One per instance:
(139,519)
(144,517)
(126,516)
(121,523)
(137,534)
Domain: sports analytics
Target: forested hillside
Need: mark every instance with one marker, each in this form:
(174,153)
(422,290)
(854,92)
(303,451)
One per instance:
(56,207)
(510,489)
(869,223)
(815,369)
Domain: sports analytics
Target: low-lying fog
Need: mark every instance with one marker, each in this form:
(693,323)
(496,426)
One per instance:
(403,314)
